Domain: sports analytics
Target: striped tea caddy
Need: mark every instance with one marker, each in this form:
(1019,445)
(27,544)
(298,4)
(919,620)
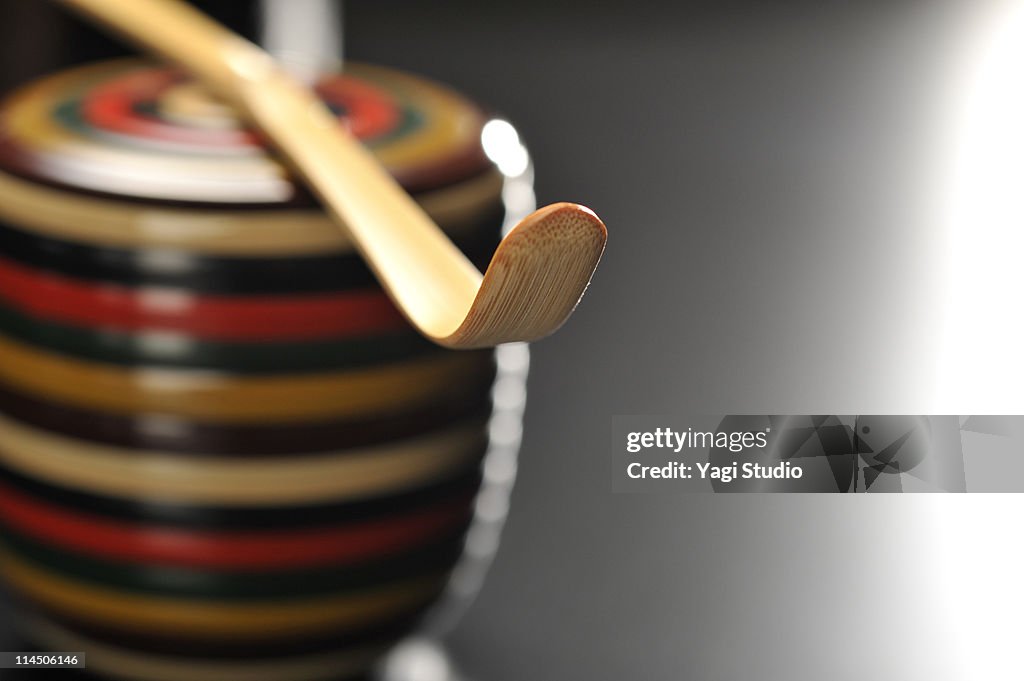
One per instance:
(223,453)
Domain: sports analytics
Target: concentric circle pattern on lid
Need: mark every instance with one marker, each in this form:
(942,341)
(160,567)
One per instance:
(134,129)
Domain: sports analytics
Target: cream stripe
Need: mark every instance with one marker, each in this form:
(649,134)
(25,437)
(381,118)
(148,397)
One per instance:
(153,475)
(220,397)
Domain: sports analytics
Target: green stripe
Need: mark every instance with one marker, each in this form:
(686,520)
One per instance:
(184,352)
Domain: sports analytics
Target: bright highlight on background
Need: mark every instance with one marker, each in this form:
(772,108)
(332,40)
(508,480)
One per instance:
(980,558)
(501,144)
(982,204)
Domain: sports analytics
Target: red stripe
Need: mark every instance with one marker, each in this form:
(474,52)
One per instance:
(63,299)
(369,112)
(109,107)
(235,550)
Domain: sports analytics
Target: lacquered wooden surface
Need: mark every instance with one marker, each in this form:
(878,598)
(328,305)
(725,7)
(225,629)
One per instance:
(214,421)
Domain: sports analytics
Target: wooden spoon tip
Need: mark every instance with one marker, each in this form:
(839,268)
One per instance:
(537,276)
(556,228)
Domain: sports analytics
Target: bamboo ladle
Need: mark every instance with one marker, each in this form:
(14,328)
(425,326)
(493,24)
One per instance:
(536,276)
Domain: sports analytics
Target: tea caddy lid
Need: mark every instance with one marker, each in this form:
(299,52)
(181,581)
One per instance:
(142,131)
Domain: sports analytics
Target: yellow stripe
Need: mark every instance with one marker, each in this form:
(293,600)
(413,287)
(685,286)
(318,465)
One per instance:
(151,475)
(275,233)
(219,397)
(214,618)
(121,663)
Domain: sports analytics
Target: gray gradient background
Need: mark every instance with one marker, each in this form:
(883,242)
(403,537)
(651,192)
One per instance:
(763,170)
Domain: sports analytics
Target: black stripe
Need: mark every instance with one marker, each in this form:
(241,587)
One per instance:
(179,351)
(216,274)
